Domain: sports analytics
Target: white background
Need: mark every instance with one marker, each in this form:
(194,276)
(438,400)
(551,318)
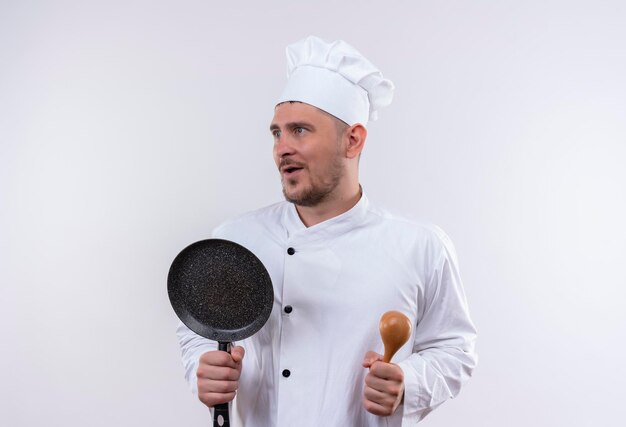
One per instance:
(128,129)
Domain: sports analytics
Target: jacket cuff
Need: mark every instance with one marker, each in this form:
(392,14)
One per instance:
(410,407)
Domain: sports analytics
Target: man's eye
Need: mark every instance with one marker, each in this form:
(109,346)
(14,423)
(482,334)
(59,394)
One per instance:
(299,131)
(276,134)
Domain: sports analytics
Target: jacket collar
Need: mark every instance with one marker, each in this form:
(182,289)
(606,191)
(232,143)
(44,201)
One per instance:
(298,233)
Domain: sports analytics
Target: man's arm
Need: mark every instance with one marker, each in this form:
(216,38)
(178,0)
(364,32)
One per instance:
(192,347)
(443,349)
(212,375)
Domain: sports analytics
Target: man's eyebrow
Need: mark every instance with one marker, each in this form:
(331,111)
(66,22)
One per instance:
(292,125)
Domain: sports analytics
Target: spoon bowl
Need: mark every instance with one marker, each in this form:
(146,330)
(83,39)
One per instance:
(395,330)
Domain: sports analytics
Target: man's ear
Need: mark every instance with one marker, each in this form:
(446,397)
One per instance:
(356,135)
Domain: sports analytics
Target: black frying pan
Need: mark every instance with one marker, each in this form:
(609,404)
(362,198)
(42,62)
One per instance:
(221,291)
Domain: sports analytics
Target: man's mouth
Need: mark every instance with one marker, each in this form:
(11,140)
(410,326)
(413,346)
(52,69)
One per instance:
(290,170)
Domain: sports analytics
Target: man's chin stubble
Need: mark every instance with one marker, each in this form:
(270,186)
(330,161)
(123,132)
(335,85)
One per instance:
(306,198)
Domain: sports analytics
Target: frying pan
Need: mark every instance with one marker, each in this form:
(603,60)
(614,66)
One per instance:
(221,291)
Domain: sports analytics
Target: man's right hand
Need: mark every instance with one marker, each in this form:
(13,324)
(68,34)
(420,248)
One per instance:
(218,376)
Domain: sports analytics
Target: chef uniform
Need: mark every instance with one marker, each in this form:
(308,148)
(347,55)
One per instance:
(332,282)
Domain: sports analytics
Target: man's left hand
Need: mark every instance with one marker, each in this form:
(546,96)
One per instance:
(384,385)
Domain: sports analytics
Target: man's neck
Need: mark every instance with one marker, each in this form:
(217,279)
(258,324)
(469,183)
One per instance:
(312,215)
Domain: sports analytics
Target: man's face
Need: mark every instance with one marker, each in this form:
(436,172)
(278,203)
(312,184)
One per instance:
(307,152)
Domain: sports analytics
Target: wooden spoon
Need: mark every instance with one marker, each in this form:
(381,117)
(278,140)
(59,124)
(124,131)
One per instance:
(395,330)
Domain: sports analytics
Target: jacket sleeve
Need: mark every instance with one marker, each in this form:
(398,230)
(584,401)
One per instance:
(443,355)
(192,347)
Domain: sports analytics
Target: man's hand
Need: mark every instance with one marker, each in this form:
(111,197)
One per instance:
(218,376)
(384,385)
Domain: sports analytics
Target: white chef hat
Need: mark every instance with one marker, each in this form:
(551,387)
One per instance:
(336,78)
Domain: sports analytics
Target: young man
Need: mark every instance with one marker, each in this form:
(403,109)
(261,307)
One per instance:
(337,263)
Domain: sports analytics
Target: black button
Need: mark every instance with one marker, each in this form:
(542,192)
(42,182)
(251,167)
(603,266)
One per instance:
(286,373)
(288,309)
(291,251)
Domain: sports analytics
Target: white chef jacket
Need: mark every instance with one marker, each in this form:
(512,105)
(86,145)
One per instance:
(343,275)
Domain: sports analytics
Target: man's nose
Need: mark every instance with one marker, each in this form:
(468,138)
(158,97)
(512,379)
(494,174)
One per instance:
(283,146)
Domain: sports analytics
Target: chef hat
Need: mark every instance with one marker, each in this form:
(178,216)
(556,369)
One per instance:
(334,77)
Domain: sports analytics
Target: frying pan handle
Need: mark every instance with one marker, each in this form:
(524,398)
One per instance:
(221,417)
(224,346)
